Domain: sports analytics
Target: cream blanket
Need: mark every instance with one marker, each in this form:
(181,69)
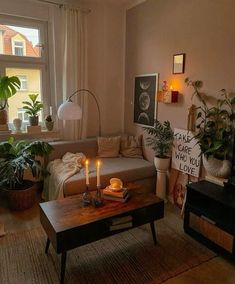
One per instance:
(60,170)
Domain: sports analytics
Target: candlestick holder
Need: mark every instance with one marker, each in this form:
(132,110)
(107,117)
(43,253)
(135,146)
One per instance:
(86,197)
(98,200)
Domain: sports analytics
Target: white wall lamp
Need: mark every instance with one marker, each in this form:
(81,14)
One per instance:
(72,111)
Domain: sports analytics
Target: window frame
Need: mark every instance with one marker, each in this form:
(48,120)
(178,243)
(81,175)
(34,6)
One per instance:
(27,62)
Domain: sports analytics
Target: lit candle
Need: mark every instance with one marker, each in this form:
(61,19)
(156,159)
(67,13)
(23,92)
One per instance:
(171,88)
(87,172)
(50,110)
(98,172)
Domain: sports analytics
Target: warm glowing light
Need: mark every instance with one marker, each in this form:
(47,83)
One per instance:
(171,88)
(98,172)
(87,171)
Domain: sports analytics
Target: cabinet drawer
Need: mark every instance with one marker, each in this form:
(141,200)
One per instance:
(208,229)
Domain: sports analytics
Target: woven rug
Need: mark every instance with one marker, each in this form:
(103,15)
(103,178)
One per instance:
(129,257)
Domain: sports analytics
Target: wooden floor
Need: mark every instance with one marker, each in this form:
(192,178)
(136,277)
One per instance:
(217,270)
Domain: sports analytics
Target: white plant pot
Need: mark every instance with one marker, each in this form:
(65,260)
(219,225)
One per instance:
(217,168)
(162,164)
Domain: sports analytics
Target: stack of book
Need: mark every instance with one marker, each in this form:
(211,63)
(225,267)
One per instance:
(121,195)
(120,223)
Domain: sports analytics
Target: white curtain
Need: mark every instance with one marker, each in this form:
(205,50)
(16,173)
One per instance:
(70,66)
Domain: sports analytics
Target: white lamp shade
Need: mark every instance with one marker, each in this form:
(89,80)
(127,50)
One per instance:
(69,111)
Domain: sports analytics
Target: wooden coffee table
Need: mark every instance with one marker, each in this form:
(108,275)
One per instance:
(68,224)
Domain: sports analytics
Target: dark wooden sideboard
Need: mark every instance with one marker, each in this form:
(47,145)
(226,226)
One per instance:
(210,216)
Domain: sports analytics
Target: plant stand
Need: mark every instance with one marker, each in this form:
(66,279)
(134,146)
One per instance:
(162,166)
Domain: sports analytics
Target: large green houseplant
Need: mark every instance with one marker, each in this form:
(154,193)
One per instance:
(32,108)
(8,88)
(161,141)
(15,159)
(214,129)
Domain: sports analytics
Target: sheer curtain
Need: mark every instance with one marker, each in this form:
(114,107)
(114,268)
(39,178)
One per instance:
(70,66)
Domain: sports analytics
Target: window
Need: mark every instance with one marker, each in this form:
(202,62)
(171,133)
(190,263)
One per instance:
(22,115)
(18,48)
(23,82)
(23,53)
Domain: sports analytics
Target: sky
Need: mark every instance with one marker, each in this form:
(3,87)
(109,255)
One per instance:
(31,34)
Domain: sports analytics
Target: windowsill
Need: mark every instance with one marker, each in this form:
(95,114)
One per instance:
(43,135)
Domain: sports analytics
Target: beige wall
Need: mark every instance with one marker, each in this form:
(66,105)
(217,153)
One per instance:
(157,29)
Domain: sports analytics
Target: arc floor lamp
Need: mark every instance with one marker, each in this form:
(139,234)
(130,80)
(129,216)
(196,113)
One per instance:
(72,111)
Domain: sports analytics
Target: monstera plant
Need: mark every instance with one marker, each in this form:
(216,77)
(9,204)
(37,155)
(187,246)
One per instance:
(8,88)
(16,157)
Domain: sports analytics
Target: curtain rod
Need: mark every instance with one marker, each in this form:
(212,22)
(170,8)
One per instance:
(60,5)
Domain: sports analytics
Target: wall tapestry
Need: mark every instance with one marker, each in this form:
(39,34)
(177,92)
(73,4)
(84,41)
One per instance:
(145,105)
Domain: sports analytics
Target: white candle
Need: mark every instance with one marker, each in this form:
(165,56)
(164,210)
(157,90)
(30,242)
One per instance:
(50,110)
(98,172)
(87,172)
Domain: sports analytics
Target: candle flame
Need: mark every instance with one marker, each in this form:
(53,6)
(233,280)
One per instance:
(86,162)
(171,88)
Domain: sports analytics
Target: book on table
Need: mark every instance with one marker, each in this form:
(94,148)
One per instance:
(121,195)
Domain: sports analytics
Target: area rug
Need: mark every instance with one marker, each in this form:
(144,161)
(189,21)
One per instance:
(128,257)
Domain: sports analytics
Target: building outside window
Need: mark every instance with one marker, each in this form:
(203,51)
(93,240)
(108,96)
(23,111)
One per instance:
(23,53)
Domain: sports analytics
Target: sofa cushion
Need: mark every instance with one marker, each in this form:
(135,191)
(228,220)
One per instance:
(131,146)
(108,147)
(127,169)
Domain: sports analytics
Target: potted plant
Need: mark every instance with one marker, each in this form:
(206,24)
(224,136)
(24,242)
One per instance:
(214,130)
(15,159)
(49,123)
(33,108)
(8,88)
(161,141)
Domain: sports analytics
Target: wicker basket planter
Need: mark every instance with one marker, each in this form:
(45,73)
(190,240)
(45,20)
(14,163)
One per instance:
(22,199)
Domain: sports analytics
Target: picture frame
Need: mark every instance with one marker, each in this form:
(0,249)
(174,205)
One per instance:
(145,102)
(178,63)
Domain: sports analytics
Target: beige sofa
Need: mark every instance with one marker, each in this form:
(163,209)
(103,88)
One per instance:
(130,170)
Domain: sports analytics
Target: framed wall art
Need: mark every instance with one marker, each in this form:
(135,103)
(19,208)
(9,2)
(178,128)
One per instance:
(178,63)
(145,106)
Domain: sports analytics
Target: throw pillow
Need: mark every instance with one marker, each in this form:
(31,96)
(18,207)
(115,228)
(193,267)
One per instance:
(108,147)
(131,146)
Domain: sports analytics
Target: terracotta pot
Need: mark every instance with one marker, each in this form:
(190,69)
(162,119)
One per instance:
(162,164)
(21,199)
(3,116)
(217,168)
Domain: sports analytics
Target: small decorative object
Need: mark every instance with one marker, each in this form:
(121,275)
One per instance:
(49,123)
(145,99)
(161,141)
(17,124)
(86,197)
(98,200)
(178,63)
(167,95)
(214,130)
(32,109)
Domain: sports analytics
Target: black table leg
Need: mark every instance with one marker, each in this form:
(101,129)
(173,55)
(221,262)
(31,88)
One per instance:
(47,246)
(153,232)
(63,264)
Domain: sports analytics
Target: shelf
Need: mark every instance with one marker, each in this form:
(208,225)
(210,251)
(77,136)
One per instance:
(43,135)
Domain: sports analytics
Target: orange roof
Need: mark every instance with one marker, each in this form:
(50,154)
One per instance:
(8,33)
